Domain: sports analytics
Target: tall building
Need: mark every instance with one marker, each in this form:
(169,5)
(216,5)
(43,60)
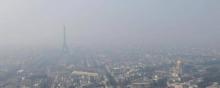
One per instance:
(65,46)
(175,80)
(179,67)
(176,71)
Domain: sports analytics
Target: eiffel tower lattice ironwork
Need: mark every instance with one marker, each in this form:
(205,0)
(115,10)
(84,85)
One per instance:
(65,46)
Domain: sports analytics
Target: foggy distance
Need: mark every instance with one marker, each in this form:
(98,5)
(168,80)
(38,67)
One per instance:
(109,44)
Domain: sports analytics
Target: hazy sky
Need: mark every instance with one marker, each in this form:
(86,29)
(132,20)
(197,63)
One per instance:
(109,22)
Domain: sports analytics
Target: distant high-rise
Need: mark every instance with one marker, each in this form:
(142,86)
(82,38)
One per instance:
(179,67)
(65,46)
(175,81)
(177,70)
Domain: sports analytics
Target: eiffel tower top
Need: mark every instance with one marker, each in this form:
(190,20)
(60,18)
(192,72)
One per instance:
(65,46)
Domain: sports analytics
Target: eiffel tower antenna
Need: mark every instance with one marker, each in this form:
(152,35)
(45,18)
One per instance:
(65,47)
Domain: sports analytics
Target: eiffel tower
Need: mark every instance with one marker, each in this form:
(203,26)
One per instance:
(65,46)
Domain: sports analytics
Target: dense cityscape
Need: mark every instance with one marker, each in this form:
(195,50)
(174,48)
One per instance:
(109,43)
(111,68)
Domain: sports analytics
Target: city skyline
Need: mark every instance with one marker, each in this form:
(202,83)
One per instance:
(109,44)
(110,23)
